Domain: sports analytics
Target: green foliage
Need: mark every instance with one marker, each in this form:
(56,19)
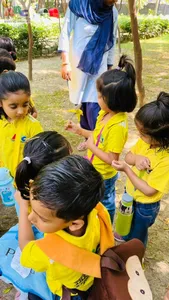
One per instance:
(45,38)
(149,26)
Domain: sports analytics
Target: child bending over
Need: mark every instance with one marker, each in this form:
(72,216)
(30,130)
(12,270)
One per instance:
(63,198)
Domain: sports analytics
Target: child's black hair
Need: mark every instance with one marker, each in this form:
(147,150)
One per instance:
(7,44)
(12,82)
(154,118)
(71,187)
(118,86)
(6,61)
(44,148)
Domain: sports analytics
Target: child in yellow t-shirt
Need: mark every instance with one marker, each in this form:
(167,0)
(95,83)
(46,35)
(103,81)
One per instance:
(148,180)
(116,96)
(7,44)
(63,198)
(16,125)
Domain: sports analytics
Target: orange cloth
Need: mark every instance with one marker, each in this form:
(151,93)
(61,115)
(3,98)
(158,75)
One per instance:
(78,259)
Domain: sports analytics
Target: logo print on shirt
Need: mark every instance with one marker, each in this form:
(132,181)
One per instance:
(14,138)
(23,139)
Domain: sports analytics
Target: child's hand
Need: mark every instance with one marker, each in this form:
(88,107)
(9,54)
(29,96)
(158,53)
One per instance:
(33,112)
(90,142)
(142,162)
(72,127)
(18,197)
(166,297)
(119,165)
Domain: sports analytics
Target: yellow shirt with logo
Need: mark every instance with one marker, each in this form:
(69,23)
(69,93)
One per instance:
(113,139)
(13,137)
(57,274)
(157,177)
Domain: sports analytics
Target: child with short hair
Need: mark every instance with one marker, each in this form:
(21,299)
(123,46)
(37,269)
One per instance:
(148,179)
(116,96)
(63,198)
(16,125)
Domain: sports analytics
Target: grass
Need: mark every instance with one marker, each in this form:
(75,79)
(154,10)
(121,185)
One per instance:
(51,97)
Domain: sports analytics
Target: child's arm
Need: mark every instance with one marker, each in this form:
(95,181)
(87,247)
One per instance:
(104,156)
(25,228)
(75,128)
(138,183)
(141,162)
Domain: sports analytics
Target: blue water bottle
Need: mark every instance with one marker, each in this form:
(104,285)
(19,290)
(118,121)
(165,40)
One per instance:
(7,189)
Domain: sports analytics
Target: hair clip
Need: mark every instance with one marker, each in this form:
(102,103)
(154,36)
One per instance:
(118,68)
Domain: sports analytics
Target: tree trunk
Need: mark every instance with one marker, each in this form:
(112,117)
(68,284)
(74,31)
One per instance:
(157,6)
(30,49)
(137,51)
(30,37)
(119,40)
(64,6)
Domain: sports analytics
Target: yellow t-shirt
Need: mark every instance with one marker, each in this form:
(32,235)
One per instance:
(157,178)
(13,137)
(57,274)
(113,139)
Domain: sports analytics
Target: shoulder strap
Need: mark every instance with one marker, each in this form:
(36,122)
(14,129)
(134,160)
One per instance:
(97,143)
(69,255)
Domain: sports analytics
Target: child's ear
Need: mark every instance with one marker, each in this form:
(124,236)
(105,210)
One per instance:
(76,225)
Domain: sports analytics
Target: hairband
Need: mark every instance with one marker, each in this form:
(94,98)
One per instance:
(119,68)
(27,159)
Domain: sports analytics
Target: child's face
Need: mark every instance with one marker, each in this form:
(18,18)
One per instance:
(102,103)
(45,219)
(16,105)
(146,138)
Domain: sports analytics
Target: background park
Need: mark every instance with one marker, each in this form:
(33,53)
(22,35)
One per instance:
(36,38)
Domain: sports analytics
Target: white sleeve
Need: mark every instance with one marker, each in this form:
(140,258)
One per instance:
(111,54)
(68,26)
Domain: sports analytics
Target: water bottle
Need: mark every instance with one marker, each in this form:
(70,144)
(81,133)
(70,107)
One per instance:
(124,215)
(7,189)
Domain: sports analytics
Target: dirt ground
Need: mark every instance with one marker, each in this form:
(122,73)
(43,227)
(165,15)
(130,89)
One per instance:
(51,97)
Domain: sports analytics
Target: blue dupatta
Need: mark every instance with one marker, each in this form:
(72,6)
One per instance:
(96,13)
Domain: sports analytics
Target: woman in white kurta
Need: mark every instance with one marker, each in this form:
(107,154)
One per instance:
(76,34)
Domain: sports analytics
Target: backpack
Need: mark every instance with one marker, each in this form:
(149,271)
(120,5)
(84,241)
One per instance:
(118,273)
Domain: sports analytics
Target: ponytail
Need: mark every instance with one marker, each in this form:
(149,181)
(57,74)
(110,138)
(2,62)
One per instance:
(42,149)
(154,118)
(125,64)
(117,86)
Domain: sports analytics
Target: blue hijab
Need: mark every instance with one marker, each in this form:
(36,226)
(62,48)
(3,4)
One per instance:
(95,12)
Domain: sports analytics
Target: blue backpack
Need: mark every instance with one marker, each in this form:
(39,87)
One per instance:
(35,282)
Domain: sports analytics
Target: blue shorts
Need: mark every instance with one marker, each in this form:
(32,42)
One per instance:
(110,196)
(90,112)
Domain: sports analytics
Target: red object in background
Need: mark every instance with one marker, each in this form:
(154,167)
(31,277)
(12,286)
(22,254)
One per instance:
(54,12)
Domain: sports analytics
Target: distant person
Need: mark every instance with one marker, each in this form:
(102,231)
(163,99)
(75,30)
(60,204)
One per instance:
(88,54)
